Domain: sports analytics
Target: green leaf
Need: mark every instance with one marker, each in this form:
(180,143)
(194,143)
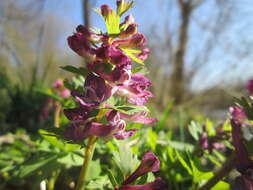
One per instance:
(152,139)
(80,71)
(39,162)
(131,109)
(140,69)
(131,50)
(112,21)
(94,170)
(195,130)
(52,139)
(71,159)
(221,185)
(178,145)
(210,128)
(125,159)
(133,57)
(123,7)
(183,163)
(165,116)
(112,179)
(49,93)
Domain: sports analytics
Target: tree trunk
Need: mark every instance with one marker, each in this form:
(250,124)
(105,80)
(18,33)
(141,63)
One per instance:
(177,78)
(86,13)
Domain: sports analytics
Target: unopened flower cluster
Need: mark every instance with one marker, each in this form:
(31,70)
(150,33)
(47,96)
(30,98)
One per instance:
(241,138)
(109,60)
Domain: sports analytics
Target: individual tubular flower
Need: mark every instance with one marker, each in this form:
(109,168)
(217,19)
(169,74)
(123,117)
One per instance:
(144,54)
(158,184)
(135,41)
(121,75)
(130,30)
(149,163)
(80,44)
(136,91)
(96,91)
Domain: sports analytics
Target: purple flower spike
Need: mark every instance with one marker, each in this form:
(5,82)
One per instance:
(249,87)
(158,184)
(243,161)
(149,163)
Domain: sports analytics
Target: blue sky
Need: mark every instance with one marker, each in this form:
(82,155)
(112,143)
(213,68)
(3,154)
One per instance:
(152,14)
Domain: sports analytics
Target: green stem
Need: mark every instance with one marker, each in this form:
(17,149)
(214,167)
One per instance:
(52,180)
(87,158)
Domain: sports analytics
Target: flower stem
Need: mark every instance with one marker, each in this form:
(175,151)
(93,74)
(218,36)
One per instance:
(222,172)
(87,158)
(57,113)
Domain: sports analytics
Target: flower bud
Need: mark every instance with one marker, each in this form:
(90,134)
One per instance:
(80,44)
(105,10)
(58,84)
(130,30)
(203,141)
(158,184)
(237,113)
(65,93)
(149,163)
(129,20)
